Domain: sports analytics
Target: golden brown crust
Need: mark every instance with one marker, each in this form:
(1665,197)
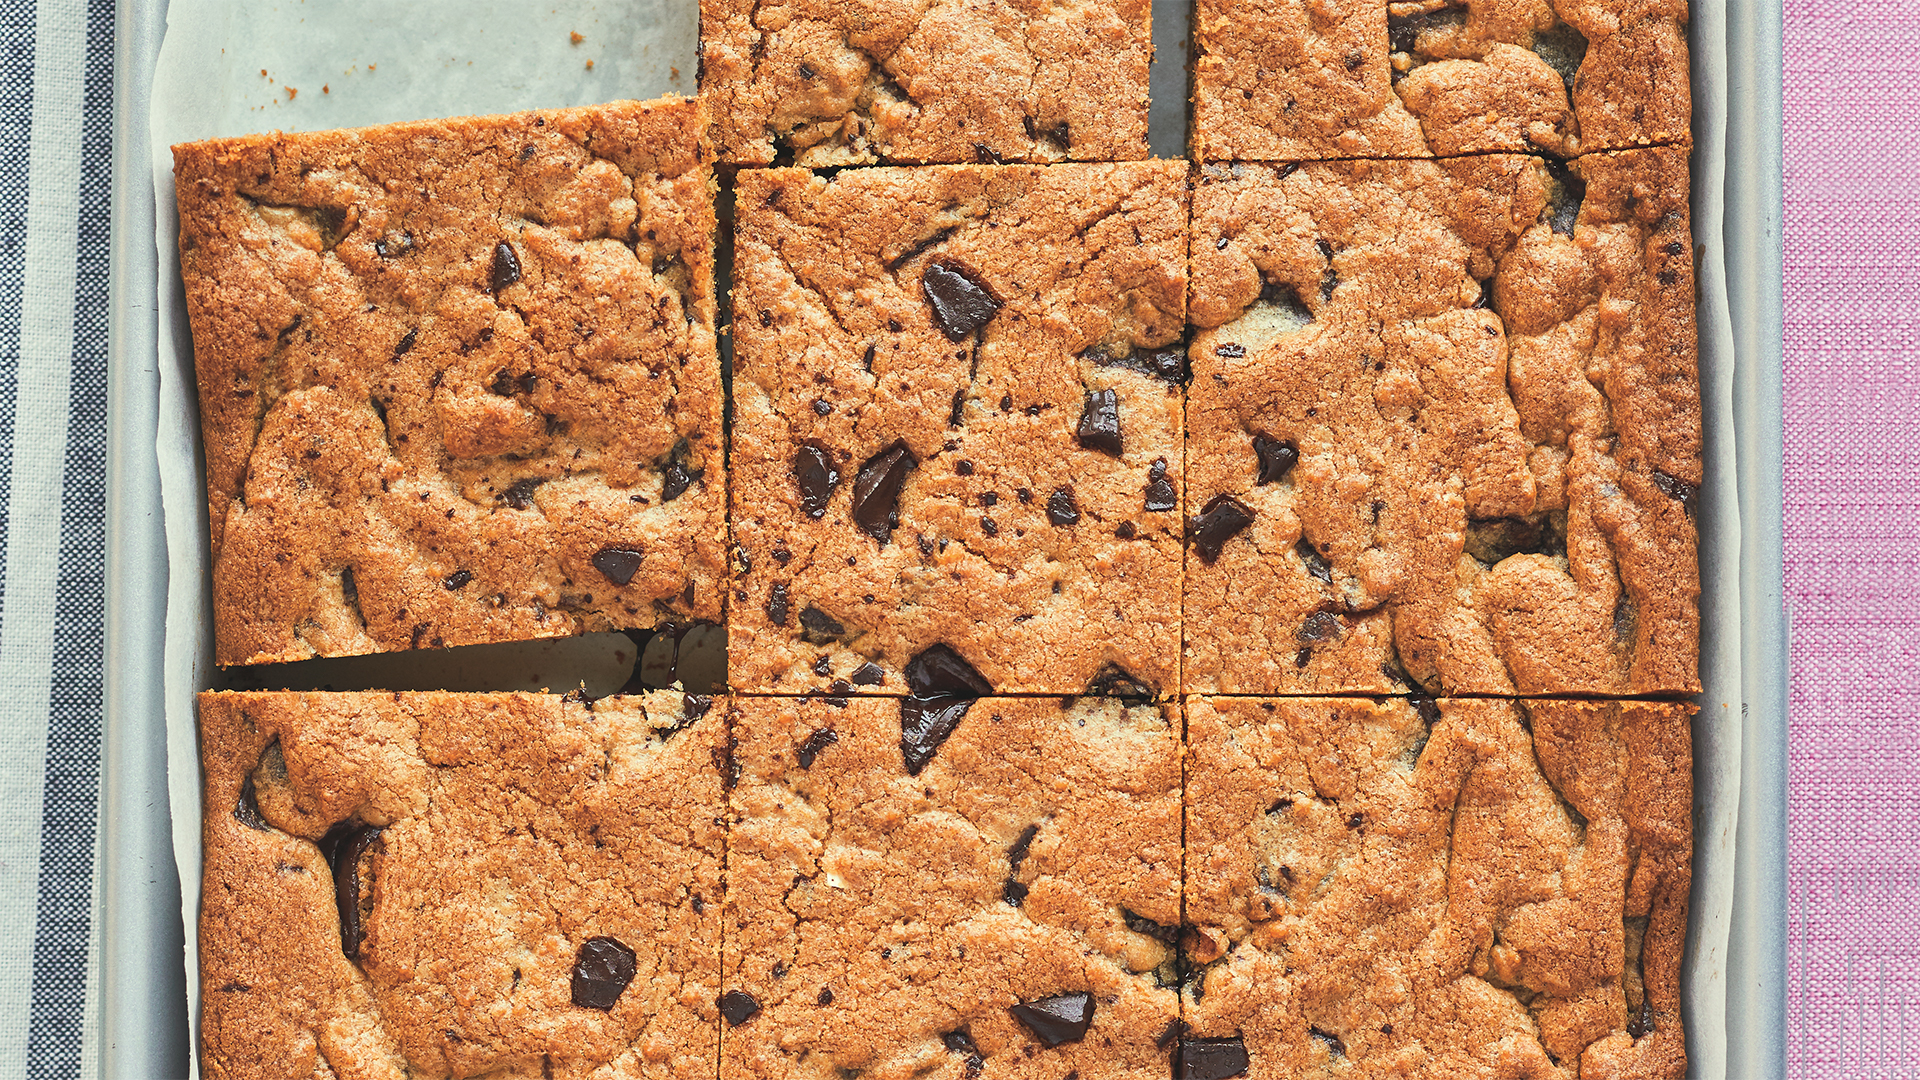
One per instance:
(838,349)
(872,913)
(1495,407)
(514,828)
(1439,895)
(822,82)
(400,456)
(1295,80)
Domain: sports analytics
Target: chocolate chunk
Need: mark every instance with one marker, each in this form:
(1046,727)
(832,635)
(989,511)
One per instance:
(601,971)
(1125,530)
(1320,626)
(961,1042)
(1493,540)
(1230,350)
(506,266)
(1333,1042)
(738,1007)
(1168,364)
(344,846)
(1100,422)
(1160,494)
(822,407)
(777,603)
(814,471)
(393,246)
(1056,1020)
(405,345)
(876,490)
(1564,198)
(617,564)
(692,708)
(675,482)
(519,494)
(1014,892)
(246,809)
(1676,489)
(1641,1025)
(1210,1059)
(1277,458)
(459,579)
(818,628)
(826,996)
(1112,680)
(815,743)
(1061,509)
(961,303)
(1425,707)
(869,674)
(939,670)
(1140,924)
(1219,521)
(925,723)
(1316,563)
(989,526)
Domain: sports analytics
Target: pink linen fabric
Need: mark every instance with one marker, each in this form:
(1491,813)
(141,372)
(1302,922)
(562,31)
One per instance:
(1852,534)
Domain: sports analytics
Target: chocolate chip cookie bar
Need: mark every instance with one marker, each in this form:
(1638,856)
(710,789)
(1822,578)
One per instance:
(953,888)
(821,83)
(435,884)
(458,380)
(1422,888)
(957,427)
(1290,80)
(1444,428)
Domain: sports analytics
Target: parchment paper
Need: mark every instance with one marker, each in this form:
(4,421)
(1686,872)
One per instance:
(232,69)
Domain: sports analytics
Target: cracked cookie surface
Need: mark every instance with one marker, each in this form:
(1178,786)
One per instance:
(458,380)
(957,420)
(1461,888)
(891,924)
(435,885)
(1444,428)
(1307,80)
(821,83)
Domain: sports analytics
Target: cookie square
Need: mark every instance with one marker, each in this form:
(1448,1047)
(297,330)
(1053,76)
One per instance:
(1444,428)
(957,427)
(458,380)
(819,83)
(1436,888)
(955,889)
(443,884)
(1296,80)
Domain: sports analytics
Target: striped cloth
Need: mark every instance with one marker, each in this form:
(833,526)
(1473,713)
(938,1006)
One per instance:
(56,91)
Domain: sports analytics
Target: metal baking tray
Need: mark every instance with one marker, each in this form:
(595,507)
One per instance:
(1735,975)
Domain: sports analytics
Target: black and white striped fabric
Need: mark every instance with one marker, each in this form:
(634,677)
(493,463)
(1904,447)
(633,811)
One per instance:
(56,106)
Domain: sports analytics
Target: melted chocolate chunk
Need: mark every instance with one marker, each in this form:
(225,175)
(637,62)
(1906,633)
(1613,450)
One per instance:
(868,674)
(1100,422)
(815,743)
(814,471)
(1564,49)
(1014,892)
(1057,1020)
(925,723)
(1641,1025)
(344,846)
(1168,364)
(940,671)
(1061,508)
(777,606)
(738,1007)
(1220,521)
(1565,197)
(818,628)
(675,482)
(961,303)
(1210,1059)
(1277,458)
(1112,680)
(506,266)
(1160,494)
(246,809)
(1425,707)
(876,490)
(1676,489)
(1316,563)
(1140,924)
(1333,1042)
(1493,540)
(618,565)
(519,494)
(601,972)
(1230,350)
(1320,626)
